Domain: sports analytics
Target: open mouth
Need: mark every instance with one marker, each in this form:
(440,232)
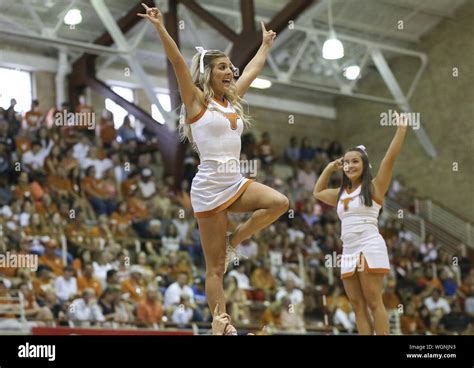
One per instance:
(226,82)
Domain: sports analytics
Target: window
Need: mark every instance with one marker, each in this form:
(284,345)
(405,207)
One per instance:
(118,111)
(165,102)
(15,84)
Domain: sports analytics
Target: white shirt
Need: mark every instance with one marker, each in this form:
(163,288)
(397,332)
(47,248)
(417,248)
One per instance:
(80,311)
(36,161)
(170,244)
(80,151)
(243,281)
(174,292)
(101,166)
(100,271)
(148,188)
(441,303)
(248,251)
(64,289)
(182,228)
(182,315)
(296,296)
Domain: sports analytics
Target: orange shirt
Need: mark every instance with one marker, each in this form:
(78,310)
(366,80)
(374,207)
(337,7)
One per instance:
(136,291)
(138,208)
(33,119)
(107,131)
(86,283)
(23,144)
(149,312)
(55,263)
(94,184)
(263,279)
(57,183)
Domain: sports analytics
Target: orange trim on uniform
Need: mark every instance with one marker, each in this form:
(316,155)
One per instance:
(226,204)
(223,104)
(366,268)
(199,115)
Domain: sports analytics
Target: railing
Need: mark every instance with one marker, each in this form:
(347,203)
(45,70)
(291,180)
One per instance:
(419,227)
(14,306)
(454,224)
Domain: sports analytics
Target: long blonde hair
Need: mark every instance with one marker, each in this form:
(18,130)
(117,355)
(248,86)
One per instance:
(203,82)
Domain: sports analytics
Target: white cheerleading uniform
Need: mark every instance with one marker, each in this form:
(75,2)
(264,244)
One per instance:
(218,183)
(360,235)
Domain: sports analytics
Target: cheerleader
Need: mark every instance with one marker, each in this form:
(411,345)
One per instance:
(213,120)
(364,260)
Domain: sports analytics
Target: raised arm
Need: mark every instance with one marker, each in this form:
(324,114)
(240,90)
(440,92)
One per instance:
(321,191)
(190,94)
(384,176)
(255,66)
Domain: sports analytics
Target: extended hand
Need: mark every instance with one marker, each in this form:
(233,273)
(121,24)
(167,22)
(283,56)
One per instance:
(153,15)
(267,36)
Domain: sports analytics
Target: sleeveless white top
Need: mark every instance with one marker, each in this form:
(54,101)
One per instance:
(355,216)
(216,132)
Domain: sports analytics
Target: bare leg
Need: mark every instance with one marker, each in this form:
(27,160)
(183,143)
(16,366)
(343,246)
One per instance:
(213,231)
(356,297)
(372,286)
(267,206)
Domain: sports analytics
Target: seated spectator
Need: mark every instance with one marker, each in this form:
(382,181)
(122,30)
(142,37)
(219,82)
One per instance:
(271,317)
(126,132)
(170,241)
(410,321)
(95,160)
(88,281)
(112,307)
(454,322)
(236,301)
(66,286)
(33,160)
(294,295)
(184,313)
(106,128)
(135,286)
(436,303)
(146,184)
(25,189)
(429,249)
(450,286)
(176,290)
(96,193)
(292,317)
(150,310)
(339,306)
(263,279)
(34,118)
(239,273)
(248,249)
(50,259)
(86,309)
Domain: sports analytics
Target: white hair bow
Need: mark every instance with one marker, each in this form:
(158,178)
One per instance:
(202,51)
(362,147)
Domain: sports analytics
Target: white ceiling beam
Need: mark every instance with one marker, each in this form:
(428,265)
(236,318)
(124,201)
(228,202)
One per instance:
(36,19)
(425,10)
(402,101)
(120,40)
